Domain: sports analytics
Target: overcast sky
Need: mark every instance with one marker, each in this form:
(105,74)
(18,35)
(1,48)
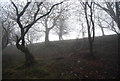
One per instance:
(74,24)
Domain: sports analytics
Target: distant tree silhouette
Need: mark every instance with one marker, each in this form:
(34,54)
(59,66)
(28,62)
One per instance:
(51,21)
(100,25)
(61,28)
(113,13)
(7,29)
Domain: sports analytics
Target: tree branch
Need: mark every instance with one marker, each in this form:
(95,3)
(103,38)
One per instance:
(29,25)
(18,15)
(26,6)
(109,10)
(54,21)
(15,7)
(102,7)
(38,9)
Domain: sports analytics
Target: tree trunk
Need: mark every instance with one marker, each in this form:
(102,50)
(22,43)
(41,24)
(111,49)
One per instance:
(103,34)
(91,47)
(22,37)
(117,4)
(60,37)
(90,43)
(118,55)
(89,23)
(47,36)
(29,58)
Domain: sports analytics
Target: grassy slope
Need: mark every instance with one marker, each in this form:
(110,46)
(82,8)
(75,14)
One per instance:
(64,59)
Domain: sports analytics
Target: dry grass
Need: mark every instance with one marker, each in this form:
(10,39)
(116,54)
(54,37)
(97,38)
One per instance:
(65,60)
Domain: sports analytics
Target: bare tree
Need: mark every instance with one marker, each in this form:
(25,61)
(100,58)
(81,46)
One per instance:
(61,28)
(90,23)
(113,10)
(109,24)
(7,28)
(47,29)
(20,42)
(49,22)
(80,14)
(61,25)
(52,21)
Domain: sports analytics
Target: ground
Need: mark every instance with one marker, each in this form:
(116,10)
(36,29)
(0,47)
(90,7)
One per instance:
(67,59)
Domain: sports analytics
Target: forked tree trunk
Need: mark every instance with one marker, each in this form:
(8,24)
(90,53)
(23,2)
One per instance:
(24,29)
(89,22)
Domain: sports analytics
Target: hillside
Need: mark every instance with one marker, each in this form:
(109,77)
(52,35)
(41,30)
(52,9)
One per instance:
(66,59)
